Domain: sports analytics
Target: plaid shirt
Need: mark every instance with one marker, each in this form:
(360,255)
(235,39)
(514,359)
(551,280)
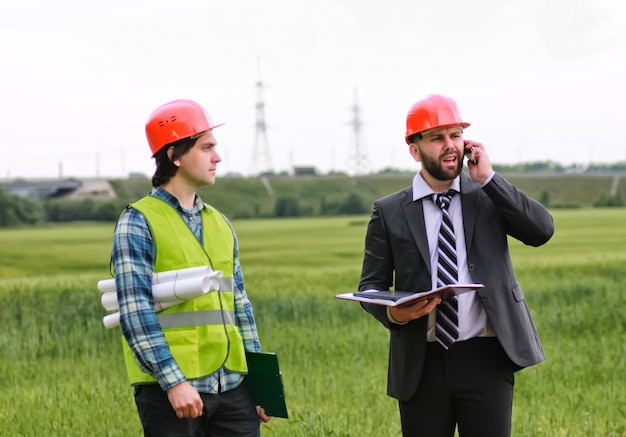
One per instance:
(133,258)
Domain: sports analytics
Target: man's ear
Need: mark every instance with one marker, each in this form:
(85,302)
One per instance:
(414,151)
(170,153)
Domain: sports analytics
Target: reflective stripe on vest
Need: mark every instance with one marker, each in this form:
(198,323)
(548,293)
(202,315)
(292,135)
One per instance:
(225,284)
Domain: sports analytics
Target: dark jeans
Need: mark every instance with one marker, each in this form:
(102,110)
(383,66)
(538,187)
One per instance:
(228,414)
(470,384)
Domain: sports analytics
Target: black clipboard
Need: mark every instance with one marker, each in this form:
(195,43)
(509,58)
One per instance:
(265,383)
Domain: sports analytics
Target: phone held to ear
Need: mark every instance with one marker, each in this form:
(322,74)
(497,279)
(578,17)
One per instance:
(468,153)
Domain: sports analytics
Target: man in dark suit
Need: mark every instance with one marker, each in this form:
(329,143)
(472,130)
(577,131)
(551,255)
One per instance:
(467,378)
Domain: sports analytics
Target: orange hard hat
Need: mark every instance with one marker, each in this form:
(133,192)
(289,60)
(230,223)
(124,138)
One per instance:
(432,112)
(176,120)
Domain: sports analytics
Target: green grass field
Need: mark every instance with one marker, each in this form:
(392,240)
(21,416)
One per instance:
(62,373)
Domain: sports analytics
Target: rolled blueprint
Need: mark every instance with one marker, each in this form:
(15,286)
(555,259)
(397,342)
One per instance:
(181,289)
(106,285)
(109,300)
(178,290)
(111,320)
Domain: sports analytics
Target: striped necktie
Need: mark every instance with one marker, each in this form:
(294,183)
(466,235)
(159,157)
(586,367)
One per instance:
(447,320)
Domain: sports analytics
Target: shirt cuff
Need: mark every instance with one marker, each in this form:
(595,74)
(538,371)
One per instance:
(391,319)
(170,375)
(489,178)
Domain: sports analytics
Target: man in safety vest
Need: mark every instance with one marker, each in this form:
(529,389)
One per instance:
(186,363)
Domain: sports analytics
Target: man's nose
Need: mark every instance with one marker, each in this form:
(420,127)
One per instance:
(448,142)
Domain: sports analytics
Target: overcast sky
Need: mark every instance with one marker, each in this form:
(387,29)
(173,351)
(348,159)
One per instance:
(538,79)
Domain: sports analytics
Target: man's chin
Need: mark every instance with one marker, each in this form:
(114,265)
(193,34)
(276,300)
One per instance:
(209,180)
(447,174)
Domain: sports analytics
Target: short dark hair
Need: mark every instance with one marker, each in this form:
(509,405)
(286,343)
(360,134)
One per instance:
(415,137)
(165,167)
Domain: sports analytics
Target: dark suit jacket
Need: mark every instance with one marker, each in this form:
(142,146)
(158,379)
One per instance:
(396,253)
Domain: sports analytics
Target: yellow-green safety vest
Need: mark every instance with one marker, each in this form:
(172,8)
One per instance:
(201,333)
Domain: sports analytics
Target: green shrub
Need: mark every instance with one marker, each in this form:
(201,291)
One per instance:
(16,211)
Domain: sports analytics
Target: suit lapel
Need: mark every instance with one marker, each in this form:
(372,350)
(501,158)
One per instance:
(414,216)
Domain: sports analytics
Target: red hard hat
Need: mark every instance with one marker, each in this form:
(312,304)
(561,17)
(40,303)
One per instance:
(432,112)
(174,121)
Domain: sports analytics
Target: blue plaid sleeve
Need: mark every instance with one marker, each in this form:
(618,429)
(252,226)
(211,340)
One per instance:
(133,261)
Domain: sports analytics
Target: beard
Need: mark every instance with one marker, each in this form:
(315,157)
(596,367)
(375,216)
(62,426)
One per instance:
(437,170)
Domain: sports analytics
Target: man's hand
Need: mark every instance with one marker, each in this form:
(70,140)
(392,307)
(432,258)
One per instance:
(405,313)
(185,400)
(262,416)
(478,161)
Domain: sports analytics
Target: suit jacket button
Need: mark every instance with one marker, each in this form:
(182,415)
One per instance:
(471,267)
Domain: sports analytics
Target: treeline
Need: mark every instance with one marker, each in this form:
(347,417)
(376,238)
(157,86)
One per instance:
(556,168)
(287,196)
(547,167)
(19,211)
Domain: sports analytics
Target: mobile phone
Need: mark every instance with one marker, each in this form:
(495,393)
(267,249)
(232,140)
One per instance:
(468,153)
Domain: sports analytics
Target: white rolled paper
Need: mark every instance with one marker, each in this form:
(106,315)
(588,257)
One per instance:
(111,320)
(106,285)
(109,300)
(174,275)
(181,290)
(168,289)
(178,291)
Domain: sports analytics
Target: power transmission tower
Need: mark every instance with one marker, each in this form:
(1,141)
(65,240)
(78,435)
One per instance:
(261,159)
(358,155)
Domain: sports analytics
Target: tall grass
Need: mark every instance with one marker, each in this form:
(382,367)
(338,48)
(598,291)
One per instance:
(62,373)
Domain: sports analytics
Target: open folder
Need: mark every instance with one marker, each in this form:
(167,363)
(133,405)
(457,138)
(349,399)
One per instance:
(265,383)
(396,298)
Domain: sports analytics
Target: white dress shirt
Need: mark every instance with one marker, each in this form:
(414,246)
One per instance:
(472,317)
